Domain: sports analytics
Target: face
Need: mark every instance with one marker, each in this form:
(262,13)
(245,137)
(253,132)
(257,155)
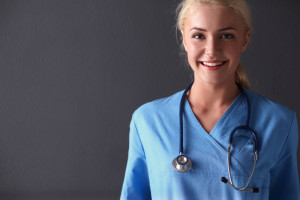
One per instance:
(214,38)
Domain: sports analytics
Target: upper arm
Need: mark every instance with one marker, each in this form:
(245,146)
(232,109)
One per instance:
(284,182)
(136,181)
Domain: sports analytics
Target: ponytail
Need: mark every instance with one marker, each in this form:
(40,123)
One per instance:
(241,77)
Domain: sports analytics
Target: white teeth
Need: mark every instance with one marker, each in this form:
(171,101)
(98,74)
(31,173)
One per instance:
(212,64)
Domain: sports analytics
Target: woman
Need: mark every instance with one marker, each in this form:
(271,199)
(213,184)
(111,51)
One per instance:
(262,159)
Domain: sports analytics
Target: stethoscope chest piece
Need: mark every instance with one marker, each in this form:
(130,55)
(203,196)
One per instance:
(182,163)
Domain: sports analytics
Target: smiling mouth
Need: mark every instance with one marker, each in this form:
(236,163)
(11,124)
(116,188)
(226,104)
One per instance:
(213,64)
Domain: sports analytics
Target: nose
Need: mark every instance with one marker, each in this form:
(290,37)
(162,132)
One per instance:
(213,47)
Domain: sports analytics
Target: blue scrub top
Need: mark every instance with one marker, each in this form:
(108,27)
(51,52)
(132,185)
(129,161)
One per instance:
(154,143)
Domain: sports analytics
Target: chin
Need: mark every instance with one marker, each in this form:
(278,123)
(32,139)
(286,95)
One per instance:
(217,80)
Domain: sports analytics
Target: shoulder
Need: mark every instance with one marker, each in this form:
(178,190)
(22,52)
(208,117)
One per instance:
(269,112)
(158,108)
(262,103)
(275,125)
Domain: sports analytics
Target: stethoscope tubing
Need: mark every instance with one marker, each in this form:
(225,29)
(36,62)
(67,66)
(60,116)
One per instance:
(243,189)
(180,118)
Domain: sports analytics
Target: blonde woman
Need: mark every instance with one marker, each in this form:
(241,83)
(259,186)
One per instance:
(216,139)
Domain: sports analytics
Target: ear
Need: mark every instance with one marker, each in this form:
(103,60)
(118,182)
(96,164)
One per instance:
(246,41)
(183,39)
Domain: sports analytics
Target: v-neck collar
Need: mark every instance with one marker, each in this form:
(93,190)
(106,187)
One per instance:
(234,116)
(197,124)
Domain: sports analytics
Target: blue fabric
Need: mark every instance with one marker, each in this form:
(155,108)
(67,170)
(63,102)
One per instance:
(154,143)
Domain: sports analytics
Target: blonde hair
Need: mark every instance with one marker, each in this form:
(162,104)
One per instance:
(240,7)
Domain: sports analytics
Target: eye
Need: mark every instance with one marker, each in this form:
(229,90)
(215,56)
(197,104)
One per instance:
(199,36)
(227,36)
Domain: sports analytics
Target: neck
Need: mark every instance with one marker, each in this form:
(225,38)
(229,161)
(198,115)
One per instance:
(210,96)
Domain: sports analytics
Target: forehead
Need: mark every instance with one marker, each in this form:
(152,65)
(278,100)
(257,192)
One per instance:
(212,18)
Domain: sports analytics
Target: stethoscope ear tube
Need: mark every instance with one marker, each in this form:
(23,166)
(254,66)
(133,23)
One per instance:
(246,127)
(254,190)
(243,189)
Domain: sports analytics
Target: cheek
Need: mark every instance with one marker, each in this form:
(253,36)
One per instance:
(191,60)
(233,52)
(194,53)
(194,50)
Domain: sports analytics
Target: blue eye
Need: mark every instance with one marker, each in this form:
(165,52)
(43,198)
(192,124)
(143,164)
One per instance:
(199,36)
(227,36)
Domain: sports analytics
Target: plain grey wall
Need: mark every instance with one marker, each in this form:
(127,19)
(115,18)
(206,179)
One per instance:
(73,71)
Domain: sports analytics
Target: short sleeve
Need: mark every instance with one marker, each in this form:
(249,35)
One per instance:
(284,175)
(136,181)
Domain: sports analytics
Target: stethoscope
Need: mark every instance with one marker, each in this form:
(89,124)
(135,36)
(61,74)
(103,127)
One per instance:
(183,163)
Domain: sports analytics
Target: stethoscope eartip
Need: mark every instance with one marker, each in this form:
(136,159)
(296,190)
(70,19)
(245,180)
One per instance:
(255,190)
(224,180)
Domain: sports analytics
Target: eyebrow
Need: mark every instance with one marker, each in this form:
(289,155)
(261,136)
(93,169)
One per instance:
(220,30)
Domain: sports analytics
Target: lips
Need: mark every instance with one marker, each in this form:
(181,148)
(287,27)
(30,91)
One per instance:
(213,65)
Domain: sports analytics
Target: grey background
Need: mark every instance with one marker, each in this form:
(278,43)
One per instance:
(73,71)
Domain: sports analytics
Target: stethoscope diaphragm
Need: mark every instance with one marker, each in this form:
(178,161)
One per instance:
(182,163)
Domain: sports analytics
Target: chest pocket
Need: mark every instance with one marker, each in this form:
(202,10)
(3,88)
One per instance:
(242,149)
